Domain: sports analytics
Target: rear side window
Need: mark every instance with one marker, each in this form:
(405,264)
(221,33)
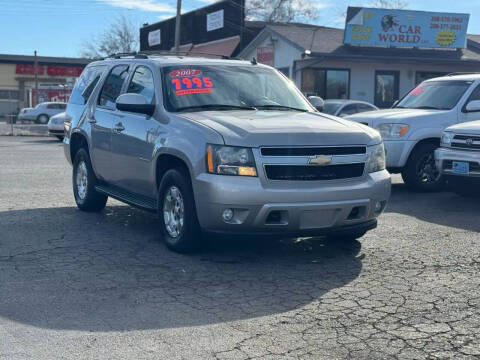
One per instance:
(365,107)
(142,83)
(85,84)
(52,106)
(349,110)
(113,86)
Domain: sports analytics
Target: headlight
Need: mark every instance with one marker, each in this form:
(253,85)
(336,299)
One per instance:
(230,160)
(376,158)
(392,130)
(446,138)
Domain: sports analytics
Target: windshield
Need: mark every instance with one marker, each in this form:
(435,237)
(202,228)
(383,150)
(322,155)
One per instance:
(436,95)
(331,107)
(197,88)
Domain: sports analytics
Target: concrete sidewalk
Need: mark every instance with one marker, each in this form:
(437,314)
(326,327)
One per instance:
(23,129)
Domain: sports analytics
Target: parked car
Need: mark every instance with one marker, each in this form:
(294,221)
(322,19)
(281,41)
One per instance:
(42,112)
(56,125)
(459,157)
(222,146)
(412,129)
(343,108)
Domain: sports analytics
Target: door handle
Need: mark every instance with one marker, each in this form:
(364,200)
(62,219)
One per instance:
(118,127)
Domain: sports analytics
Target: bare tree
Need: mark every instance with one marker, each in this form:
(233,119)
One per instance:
(121,36)
(388,4)
(282,10)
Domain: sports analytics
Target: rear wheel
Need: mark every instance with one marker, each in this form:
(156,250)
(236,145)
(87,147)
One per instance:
(42,119)
(178,216)
(84,181)
(421,174)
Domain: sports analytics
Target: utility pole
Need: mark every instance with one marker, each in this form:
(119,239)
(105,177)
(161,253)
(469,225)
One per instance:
(36,79)
(177,26)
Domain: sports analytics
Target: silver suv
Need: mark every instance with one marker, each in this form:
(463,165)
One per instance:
(221,146)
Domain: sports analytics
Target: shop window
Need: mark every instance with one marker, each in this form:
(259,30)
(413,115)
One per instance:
(421,76)
(386,88)
(9,94)
(285,71)
(326,83)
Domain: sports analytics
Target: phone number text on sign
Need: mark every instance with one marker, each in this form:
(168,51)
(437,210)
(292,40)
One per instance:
(192,85)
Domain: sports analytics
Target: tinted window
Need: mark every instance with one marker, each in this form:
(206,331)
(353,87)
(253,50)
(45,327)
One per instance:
(475,95)
(113,86)
(365,107)
(62,106)
(348,110)
(142,83)
(331,108)
(85,84)
(328,84)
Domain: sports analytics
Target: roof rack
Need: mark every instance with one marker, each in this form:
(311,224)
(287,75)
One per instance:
(133,54)
(183,53)
(463,73)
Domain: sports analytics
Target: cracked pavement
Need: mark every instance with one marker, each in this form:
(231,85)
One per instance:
(89,286)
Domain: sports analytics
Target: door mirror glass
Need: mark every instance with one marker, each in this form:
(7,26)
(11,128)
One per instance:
(317,102)
(473,106)
(135,103)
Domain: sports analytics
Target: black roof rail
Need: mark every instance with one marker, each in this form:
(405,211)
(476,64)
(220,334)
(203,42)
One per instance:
(183,53)
(133,54)
(463,73)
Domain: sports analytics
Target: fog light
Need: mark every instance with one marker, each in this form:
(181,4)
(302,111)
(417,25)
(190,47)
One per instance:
(227,214)
(379,206)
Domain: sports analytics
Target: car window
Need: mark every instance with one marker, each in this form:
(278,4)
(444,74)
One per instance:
(331,107)
(348,110)
(365,107)
(475,95)
(51,106)
(85,84)
(142,83)
(113,86)
(62,106)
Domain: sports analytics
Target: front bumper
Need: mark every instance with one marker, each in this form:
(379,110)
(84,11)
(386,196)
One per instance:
(298,207)
(448,154)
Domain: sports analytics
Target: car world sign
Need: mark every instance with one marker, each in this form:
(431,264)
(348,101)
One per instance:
(404,28)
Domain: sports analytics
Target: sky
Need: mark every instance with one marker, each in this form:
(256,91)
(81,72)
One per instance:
(61,27)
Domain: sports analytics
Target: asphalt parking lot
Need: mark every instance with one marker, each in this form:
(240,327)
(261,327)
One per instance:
(87,286)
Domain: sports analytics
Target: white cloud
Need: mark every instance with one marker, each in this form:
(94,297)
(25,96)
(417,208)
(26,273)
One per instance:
(146,5)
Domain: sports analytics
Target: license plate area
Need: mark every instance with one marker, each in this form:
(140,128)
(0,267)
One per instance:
(460,167)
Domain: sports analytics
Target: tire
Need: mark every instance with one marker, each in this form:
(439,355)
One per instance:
(86,197)
(42,119)
(421,174)
(346,238)
(60,137)
(177,214)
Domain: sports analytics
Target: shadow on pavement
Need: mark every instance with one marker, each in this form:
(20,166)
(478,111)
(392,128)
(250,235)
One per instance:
(64,269)
(443,208)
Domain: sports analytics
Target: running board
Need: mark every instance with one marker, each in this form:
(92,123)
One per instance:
(139,201)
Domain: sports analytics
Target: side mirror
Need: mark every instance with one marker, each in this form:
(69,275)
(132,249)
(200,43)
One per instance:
(317,102)
(473,106)
(135,103)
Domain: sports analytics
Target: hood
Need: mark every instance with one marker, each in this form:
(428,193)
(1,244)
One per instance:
(275,128)
(396,115)
(470,128)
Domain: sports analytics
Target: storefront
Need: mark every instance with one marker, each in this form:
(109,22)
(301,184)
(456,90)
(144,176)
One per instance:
(321,63)
(17,80)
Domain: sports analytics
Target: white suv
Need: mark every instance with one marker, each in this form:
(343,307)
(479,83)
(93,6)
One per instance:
(412,129)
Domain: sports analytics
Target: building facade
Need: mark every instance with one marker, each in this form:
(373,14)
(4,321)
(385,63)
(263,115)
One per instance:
(56,76)
(319,62)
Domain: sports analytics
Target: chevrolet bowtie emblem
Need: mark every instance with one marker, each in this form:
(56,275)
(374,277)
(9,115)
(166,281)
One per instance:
(320,160)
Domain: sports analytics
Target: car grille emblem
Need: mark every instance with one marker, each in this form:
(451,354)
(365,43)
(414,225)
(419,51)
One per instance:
(320,160)
(469,141)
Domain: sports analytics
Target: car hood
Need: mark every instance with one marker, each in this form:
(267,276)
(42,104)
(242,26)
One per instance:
(471,127)
(396,115)
(273,128)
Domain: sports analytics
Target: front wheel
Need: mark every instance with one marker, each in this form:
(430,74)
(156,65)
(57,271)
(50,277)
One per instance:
(421,174)
(42,119)
(84,181)
(178,216)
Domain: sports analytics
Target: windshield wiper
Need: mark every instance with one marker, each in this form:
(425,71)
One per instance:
(215,107)
(428,108)
(279,107)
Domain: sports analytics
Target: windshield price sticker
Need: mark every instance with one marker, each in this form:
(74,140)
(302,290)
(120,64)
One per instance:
(192,85)
(417,91)
(185,73)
